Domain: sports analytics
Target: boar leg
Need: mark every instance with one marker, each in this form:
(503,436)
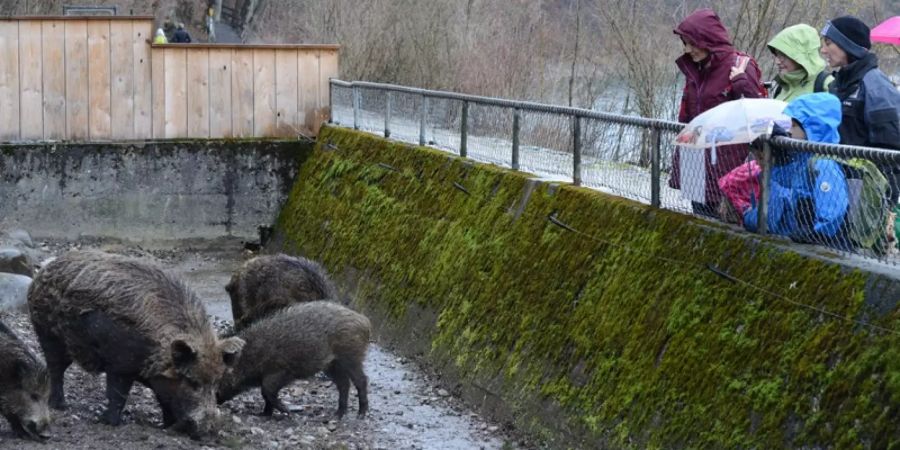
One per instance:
(58,361)
(341,379)
(361,382)
(271,384)
(117,389)
(168,417)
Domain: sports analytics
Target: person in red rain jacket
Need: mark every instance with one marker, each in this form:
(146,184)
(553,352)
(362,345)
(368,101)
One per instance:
(714,73)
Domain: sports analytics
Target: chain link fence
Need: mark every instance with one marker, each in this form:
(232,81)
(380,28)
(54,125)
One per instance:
(829,195)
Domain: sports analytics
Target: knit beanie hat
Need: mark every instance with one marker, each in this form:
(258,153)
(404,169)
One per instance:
(850,34)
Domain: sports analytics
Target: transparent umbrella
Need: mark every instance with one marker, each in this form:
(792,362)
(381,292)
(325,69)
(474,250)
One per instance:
(735,122)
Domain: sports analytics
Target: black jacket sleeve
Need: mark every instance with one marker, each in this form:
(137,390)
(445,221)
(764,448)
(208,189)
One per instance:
(882,110)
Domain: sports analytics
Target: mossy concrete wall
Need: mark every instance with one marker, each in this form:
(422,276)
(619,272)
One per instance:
(147,191)
(593,321)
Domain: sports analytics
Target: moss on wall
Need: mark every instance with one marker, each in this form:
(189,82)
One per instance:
(619,326)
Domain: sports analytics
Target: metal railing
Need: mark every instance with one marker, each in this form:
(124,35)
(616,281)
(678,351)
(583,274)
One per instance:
(623,155)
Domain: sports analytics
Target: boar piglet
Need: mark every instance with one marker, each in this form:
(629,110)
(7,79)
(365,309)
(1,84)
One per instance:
(268,283)
(24,388)
(297,342)
(134,322)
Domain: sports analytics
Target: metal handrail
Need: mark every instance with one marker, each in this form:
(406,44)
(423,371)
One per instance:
(655,126)
(522,105)
(843,151)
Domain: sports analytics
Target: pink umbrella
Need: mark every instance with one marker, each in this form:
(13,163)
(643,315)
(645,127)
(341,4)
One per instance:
(887,32)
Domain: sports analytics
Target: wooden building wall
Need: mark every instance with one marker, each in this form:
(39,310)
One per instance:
(99,78)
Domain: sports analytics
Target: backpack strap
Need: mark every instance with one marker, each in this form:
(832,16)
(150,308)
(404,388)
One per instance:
(819,85)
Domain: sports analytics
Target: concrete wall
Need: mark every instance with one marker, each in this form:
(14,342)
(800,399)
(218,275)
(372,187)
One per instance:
(144,192)
(595,322)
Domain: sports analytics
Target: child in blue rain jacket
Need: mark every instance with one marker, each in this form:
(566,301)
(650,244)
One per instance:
(808,200)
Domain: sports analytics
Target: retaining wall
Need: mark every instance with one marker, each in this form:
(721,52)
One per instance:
(152,191)
(592,321)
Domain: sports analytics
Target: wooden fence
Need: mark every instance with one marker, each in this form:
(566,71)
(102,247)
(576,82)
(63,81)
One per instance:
(99,78)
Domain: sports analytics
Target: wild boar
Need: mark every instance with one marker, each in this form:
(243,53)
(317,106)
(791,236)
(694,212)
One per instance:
(298,342)
(134,322)
(268,283)
(24,388)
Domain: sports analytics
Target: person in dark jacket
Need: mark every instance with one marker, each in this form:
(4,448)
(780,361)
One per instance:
(714,73)
(869,101)
(181,35)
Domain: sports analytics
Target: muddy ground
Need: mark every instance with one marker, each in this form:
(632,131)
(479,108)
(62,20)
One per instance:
(407,409)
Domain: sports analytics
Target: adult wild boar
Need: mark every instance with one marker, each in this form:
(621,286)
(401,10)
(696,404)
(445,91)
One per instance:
(24,388)
(297,342)
(268,283)
(134,322)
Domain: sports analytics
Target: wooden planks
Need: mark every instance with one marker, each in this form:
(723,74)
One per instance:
(53,45)
(264,92)
(220,93)
(142,32)
(158,91)
(198,93)
(176,92)
(122,80)
(101,79)
(9,81)
(99,119)
(308,70)
(242,93)
(328,68)
(286,121)
(31,81)
(77,102)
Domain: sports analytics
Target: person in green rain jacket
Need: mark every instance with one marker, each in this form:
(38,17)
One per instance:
(801,69)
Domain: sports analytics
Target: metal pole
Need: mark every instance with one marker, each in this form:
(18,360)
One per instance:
(387,114)
(762,225)
(576,151)
(515,139)
(330,102)
(655,157)
(423,112)
(355,108)
(464,130)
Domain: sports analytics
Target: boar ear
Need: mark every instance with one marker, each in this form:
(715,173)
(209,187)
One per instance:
(182,353)
(231,350)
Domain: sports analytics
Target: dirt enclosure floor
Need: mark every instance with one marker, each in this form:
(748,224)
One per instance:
(407,408)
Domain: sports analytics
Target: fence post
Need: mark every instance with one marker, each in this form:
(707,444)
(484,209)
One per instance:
(355,108)
(655,156)
(515,139)
(576,151)
(762,220)
(464,130)
(387,114)
(330,97)
(423,112)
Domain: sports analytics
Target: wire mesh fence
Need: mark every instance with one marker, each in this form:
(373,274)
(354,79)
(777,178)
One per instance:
(839,197)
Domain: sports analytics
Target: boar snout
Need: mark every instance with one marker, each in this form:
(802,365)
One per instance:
(39,429)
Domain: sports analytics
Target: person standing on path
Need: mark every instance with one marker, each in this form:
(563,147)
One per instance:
(715,72)
(870,102)
(801,69)
(160,37)
(181,35)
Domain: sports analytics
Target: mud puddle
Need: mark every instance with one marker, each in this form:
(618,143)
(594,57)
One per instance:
(407,410)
